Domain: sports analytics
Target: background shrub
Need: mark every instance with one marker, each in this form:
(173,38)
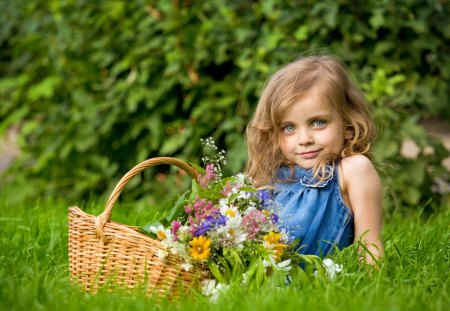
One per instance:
(98,86)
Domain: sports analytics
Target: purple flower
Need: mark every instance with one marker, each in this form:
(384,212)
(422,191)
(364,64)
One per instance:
(274,218)
(221,220)
(264,197)
(204,227)
(208,224)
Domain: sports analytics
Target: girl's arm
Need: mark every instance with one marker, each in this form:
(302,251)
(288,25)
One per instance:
(364,190)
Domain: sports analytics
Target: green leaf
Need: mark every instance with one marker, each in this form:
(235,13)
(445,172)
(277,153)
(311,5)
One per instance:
(260,273)
(248,189)
(178,208)
(197,167)
(194,188)
(147,227)
(233,197)
(216,272)
(302,33)
(43,89)
(211,194)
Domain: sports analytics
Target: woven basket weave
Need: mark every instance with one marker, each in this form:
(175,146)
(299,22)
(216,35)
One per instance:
(107,254)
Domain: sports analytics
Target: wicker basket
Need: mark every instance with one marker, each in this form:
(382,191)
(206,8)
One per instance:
(107,254)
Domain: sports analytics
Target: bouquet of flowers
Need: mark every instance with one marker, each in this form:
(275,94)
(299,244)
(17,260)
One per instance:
(232,228)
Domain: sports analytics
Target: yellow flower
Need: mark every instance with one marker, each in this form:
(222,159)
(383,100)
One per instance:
(161,234)
(200,248)
(272,237)
(272,240)
(230,213)
(279,250)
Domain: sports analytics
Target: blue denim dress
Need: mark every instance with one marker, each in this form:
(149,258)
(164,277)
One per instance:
(313,212)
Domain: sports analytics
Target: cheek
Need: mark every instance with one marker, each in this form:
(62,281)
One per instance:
(340,141)
(284,145)
(335,138)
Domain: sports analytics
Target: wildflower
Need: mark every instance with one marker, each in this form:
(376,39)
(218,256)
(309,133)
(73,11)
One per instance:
(209,223)
(163,234)
(252,222)
(272,237)
(274,218)
(231,235)
(223,218)
(175,226)
(203,228)
(162,254)
(227,189)
(271,242)
(230,211)
(264,197)
(211,289)
(210,168)
(331,268)
(245,195)
(281,266)
(200,248)
(179,249)
(240,180)
(284,265)
(186,266)
(184,234)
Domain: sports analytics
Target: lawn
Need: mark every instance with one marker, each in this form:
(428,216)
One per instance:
(414,275)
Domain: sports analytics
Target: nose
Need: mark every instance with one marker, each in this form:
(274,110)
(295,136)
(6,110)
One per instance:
(304,138)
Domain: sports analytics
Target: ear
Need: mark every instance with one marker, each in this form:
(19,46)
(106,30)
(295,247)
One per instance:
(349,133)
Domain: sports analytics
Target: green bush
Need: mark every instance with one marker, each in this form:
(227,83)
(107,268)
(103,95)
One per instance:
(98,86)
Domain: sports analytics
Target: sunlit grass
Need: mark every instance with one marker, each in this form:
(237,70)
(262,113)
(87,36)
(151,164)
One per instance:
(414,275)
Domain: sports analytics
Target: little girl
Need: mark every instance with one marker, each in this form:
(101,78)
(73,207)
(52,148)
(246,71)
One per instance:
(310,140)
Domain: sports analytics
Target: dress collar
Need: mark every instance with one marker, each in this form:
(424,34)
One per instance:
(304,176)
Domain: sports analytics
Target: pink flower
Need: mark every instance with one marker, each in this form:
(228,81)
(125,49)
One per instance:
(210,171)
(227,189)
(204,180)
(200,210)
(175,226)
(258,216)
(252,223)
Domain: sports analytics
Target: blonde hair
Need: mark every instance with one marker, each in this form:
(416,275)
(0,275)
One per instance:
(327,75)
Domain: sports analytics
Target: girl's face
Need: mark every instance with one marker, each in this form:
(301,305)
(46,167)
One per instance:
(310,128)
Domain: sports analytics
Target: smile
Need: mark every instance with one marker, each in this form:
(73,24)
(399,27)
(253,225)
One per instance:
(309,154)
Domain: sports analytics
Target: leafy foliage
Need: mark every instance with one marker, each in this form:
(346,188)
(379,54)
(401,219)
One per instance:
(100,86)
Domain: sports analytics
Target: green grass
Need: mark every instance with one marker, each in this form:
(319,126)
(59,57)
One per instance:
(414,276)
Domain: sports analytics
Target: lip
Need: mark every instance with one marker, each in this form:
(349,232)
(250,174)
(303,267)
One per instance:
(309,154)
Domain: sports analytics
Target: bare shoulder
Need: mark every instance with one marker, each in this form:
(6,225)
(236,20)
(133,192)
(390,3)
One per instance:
(357,165)
(358,174)
(364,194)
(361,182)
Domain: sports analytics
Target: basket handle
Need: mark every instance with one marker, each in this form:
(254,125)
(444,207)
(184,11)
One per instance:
(105,216)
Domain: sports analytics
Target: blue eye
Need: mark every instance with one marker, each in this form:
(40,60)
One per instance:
(289,128)
(319,123)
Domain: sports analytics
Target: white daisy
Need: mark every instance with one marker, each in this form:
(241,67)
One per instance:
(230,211)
